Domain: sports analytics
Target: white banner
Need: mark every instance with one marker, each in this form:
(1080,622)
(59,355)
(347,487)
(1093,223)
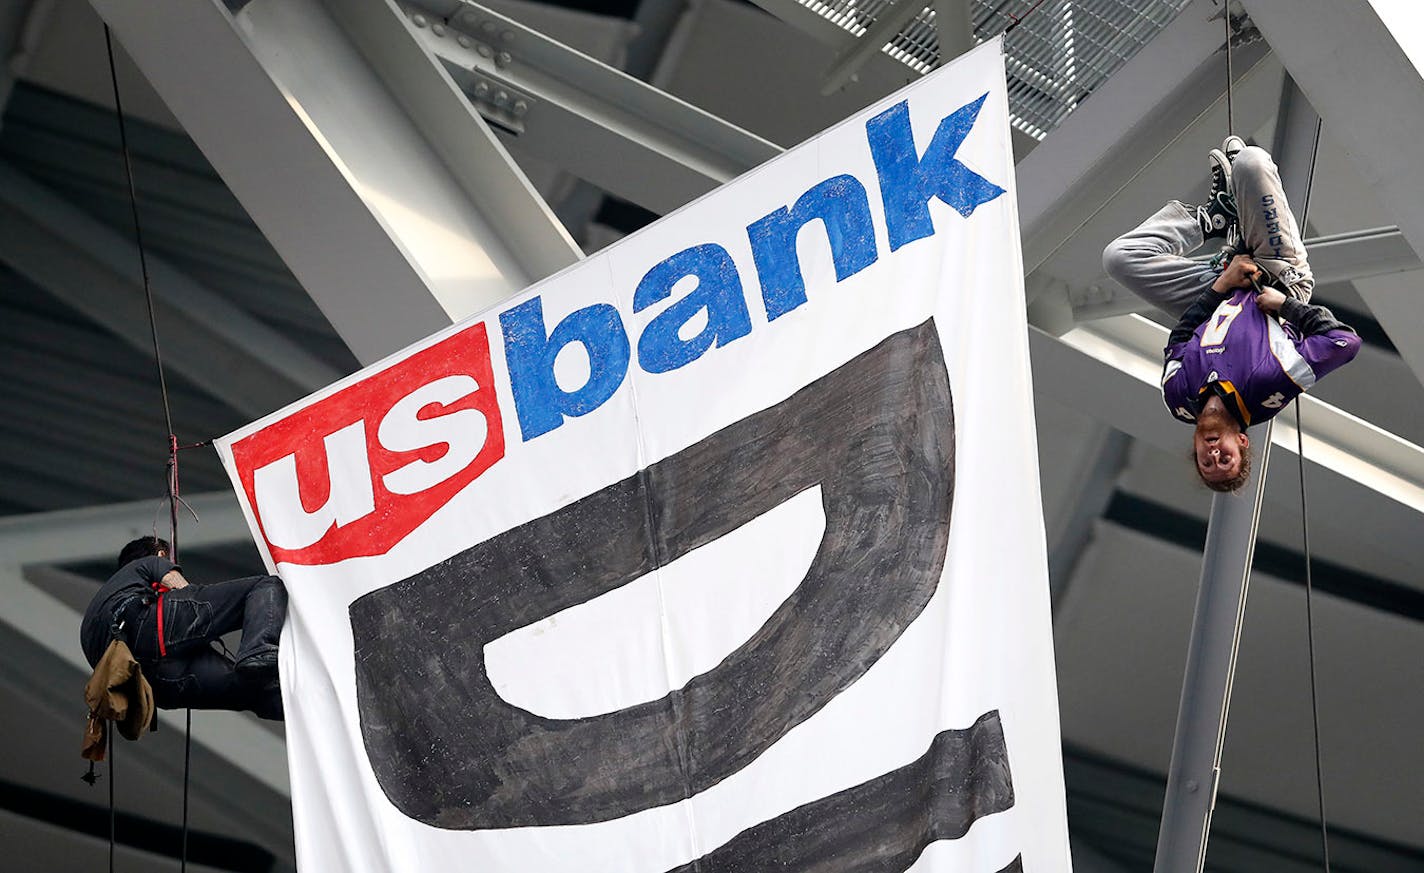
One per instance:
(720,550)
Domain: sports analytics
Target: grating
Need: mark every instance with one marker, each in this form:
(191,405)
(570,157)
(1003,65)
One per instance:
(1055,58)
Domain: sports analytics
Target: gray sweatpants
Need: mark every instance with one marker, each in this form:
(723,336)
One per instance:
(1151,260)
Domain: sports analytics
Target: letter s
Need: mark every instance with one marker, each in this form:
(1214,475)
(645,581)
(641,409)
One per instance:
(278,492)
(463,432)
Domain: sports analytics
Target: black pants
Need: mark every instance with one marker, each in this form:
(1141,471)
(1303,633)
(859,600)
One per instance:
(185,671)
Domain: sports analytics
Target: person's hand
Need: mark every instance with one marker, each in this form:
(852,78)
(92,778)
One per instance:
(173,580)
(1270,300)
(1238,274)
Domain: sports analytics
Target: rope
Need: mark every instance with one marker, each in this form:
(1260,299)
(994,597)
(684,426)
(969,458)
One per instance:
(187,755)
(1226,17)
(1303,215)
(1305,539)
(1015,20)
(111,801)
(173,495)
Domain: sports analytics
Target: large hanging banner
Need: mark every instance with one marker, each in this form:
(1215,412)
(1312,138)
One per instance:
(721,550)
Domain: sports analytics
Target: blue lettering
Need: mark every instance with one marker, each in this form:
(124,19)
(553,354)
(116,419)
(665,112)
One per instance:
(718,291)
(907,182)
(542,405)
(843,208)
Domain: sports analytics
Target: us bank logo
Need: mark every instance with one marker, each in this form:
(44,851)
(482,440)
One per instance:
(354,473)
(875,438)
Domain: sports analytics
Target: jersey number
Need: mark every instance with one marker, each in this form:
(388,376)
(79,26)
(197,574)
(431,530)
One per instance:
(1215,333)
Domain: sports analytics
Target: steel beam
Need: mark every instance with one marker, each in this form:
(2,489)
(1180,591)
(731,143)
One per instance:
(1373,101)
(91,533)
(1337,257)
(893,19)
(21,24)
(1112,369)
(410,214)
(1105,456)
(217,345)
(954,26)
(604,126)
(1137,114)
(1195,770)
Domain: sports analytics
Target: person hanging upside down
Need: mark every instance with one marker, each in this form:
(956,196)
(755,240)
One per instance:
(170,626)
(1248,340)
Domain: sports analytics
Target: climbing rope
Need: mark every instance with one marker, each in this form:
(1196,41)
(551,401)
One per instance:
(1230,116)
(1305,540)
(1015,20)
(173,494)
(1302,215)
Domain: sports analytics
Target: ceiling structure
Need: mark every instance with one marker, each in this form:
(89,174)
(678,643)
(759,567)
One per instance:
(288,247)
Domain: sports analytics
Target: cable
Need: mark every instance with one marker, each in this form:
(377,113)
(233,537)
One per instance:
(1230,117)
(187,754)
(138,231)
(1305,538)
(173,496)
(1015,20)
(112,831)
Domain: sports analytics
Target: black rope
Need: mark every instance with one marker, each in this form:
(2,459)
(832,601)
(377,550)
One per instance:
(187,754)
(112,830)
(1230,118)
(138,230)
(1016,20)
(1305,538)
(173,447)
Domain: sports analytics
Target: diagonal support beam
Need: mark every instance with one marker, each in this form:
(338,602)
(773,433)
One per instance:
(892,19)
(21,24)
(231,354)
(1113,367)
(1373,103)
(954,26)
(411,214)
(1139,113)
(603,125)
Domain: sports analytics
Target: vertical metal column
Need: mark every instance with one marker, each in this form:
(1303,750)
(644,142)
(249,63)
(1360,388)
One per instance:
(1195,771)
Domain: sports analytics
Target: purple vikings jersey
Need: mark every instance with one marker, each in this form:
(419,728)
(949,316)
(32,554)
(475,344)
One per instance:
(1256,363)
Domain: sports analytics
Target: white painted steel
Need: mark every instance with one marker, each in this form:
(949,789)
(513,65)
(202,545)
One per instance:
(410,214)
(603,125)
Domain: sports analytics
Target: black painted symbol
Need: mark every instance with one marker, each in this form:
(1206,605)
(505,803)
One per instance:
(883,825)
(876,435)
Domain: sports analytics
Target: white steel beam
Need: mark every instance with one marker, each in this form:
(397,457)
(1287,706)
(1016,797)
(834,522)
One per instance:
(603,125)
(1103,457)
(832,32)
(1372,100)
(96,531)
(893,19)
(387,196)
(234,356)
(954,26)
(1123,358)
(1139,112)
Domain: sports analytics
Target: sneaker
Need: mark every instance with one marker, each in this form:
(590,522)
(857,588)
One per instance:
(259,663)
(1218,216)
(1232,146)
